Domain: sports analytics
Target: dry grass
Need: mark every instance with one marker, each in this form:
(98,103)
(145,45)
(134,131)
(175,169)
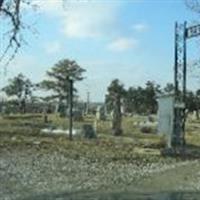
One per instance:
(24,132)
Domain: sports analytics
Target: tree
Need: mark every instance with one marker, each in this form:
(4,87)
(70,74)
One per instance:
(116,92)
(197,103)
(193,5)
(116,88)
(190,101)
(135,98)
(59,76)
(20,87)
(151,92)
(142,100)
(12,11)
(193,102)
(169,88)
(130,100)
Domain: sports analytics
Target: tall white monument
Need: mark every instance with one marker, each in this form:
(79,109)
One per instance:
(166,117)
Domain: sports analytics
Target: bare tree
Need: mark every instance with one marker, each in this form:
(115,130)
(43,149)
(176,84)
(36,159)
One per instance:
(10,10)
(193,5)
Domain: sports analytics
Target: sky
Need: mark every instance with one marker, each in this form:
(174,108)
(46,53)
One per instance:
(132,40)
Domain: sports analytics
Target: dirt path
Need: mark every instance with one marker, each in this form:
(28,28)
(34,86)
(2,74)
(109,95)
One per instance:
(178,183)
(185,177)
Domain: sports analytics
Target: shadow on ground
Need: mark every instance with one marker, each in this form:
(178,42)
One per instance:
(188,152)
(117,196)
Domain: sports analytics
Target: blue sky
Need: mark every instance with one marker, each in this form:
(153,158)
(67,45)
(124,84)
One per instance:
(127,39)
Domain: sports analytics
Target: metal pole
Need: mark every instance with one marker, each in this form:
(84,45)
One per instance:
(184,79)
(176,63)
(174,137)
(70,108)
(184,63)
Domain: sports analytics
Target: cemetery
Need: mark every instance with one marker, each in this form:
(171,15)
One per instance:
(118,143)
(93,147)
(134,157)
(57,144)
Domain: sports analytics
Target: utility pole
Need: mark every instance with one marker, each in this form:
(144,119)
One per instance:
(70,108)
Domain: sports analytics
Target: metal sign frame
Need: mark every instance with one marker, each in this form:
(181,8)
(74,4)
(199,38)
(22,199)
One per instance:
(193,31)
(182,33)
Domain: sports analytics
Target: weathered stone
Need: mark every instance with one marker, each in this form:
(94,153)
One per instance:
(117,117)
(100,113)
(88,131)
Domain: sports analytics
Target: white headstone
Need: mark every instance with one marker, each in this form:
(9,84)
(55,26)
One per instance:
(166,117)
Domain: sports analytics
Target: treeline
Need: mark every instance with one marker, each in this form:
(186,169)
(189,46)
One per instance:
(20,90)
(143,100)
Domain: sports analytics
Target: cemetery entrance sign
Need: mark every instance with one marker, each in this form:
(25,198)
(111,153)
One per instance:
(193,31)
(182,34)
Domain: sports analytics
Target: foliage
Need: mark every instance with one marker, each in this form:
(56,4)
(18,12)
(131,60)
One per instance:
(151,91)
(169,88)
(20,87)
(116,93)
(115,89)
(58,78)
(142,100)
(193,102)
(193,5)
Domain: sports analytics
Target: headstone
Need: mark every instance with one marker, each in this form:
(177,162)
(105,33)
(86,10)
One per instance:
(117,117)
(78,115)
(3,110)
(45,115)
(100,113)
(95,125)
(166,117)
(88,131)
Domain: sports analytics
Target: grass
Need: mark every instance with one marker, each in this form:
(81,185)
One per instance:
(24,132)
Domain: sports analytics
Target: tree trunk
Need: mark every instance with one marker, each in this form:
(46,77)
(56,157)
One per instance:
(22,106)
(117,117)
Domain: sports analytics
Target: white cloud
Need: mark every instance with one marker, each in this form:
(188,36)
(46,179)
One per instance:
(89,19)
(81,19)
(123,44)
(140,27)
(53,47)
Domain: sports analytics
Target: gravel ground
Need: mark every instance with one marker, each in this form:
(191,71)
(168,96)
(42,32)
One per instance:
(31,172)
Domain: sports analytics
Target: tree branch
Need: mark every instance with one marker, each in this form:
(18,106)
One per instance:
(13,14)
(193,5)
